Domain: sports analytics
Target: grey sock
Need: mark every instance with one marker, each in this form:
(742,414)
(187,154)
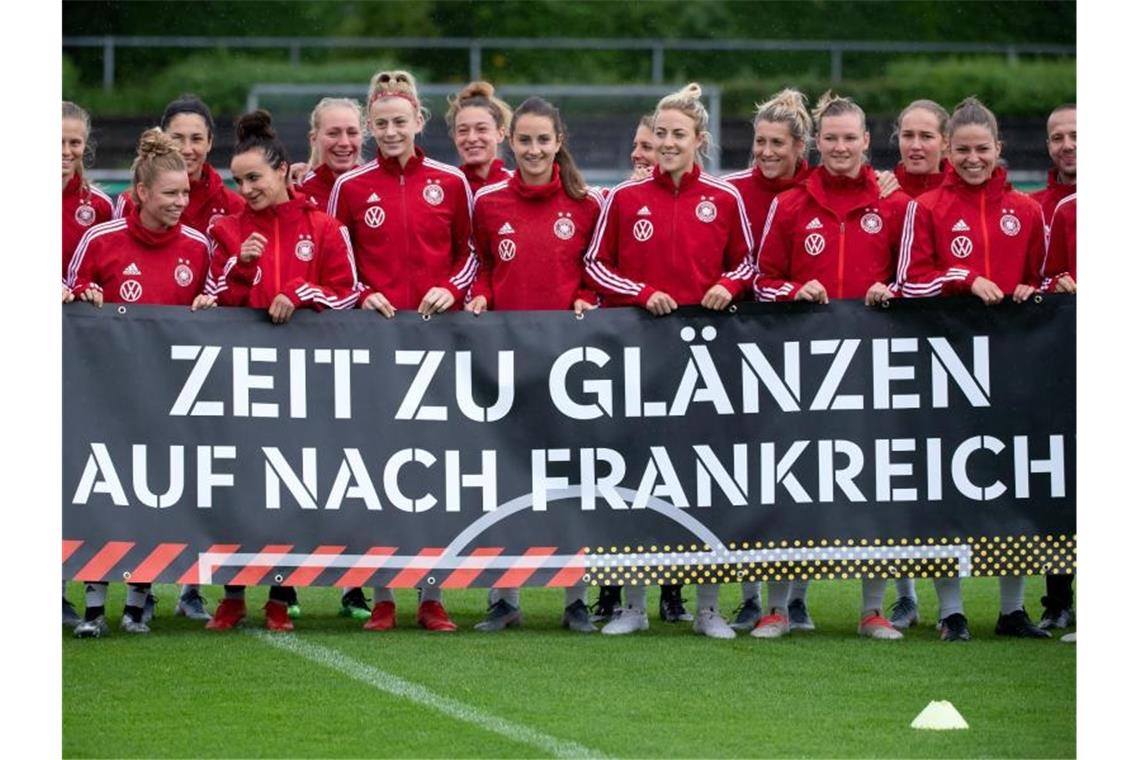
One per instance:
(575,594)
(1012,588)
(431,594)
(382,594)
(874,589)
(949,596)
(778,593)
(508,595)
(95,595)
(636,596)
(750,590)
(708,596)
(905,587)
(190,588)
(799,588)
(136,596)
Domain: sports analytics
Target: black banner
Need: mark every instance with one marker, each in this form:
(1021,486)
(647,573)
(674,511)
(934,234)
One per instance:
(933,437)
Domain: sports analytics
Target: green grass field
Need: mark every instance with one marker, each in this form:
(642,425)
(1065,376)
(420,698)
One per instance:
(333,690)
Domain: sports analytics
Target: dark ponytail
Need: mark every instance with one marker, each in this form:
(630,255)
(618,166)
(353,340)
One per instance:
(255,131)
(572,181)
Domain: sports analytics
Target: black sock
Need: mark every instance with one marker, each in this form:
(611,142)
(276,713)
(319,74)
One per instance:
(134,613)
(92,612)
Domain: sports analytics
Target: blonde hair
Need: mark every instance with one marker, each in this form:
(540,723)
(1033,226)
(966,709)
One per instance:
(972,111)
(73,111)
(478,95)
(830,104)
(157,153)
(396,83)
(315,157)
(687,100)
(788,107)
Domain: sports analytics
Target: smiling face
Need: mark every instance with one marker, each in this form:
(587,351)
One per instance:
(338,138)
(842,142)
(644,153)
(974,152)
(477,138)
(192,134)
(261,185)
(677,142)
(1062,141)
(775,151)
(921,143)
(535,144)
(394,123)
(74,143)
(162,203)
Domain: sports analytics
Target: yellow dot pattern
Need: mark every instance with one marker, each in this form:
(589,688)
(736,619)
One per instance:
(835,559)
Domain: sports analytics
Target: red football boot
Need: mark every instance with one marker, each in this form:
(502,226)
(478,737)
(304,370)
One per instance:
(277,616)
(383,617)
(230,612)
(433,617)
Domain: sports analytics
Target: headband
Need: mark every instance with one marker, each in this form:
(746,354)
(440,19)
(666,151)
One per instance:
(393,94)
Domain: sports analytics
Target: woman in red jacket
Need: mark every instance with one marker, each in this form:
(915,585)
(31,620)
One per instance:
(336,135)
(530,232)
(477,122)
(988,240)
(84,205)
(835,237)
(677,237)
(410,222)
(782,137)
(147,258)
(189,122)
(409,216)
(1060,270)
(280,253)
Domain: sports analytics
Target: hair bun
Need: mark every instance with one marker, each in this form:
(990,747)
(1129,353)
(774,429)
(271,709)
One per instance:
(154,142)
(477,90)
(257,124)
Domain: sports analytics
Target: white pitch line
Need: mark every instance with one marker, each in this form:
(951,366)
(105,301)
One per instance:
(413,692)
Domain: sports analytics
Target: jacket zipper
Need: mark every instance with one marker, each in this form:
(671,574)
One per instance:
(409,283)
(842,248)
(985,235)
(276,255)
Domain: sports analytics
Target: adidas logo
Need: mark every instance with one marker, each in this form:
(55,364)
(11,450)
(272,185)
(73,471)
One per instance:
(644,211)
(507,229)
(132,269)
(814,224)
(374,198)
(960,226)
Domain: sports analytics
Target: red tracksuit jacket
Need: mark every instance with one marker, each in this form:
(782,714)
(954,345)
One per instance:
(915,185)
(682,240)
(132,264)
(530,240)
(758,192)
(410,228)
(83,208)
(989,230)
(497,174)
(318,185)
(1061,258)
(307,256)
(839,231)
(210,200)
(1052,194)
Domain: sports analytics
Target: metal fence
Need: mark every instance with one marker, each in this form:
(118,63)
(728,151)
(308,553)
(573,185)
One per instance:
(477,46)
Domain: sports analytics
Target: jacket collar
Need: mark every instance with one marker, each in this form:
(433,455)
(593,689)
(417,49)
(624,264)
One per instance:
(841,194)
(687,180)
(537,192)
(993,188)
(392,165)
(148,237)
(781,184)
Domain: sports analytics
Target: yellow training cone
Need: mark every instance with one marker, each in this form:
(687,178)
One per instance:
(939,716)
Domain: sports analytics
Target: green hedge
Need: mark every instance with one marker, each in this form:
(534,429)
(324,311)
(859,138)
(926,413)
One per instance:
(1027,87)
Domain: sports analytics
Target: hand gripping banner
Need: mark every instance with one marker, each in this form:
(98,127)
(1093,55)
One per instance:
(935,437)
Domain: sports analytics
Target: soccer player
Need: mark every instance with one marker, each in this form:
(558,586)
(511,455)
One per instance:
(1059,203)
(410,222)
(150,257)
(530,231)
(701,220)
(988,240)
(833,236)
(336,135)
(782,136)
(280,253)
(477,122)
(84,205)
